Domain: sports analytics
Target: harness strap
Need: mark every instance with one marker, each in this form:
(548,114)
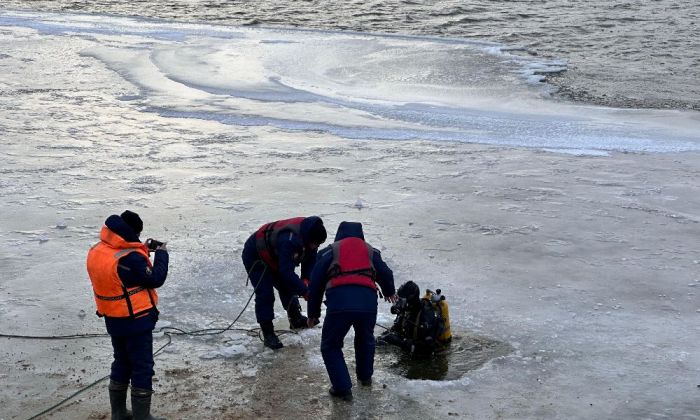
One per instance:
(125,252)
(416,324)
(367,272)
(128,301)
(124,296)
(267,237)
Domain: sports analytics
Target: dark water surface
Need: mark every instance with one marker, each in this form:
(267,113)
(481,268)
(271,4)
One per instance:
(465,353)
(627,53)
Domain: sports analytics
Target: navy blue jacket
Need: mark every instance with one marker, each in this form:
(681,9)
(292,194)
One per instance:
(288,245)
(133,270)
(349,297)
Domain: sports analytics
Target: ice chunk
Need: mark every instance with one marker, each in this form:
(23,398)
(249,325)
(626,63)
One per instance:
(235,351)
(209,355)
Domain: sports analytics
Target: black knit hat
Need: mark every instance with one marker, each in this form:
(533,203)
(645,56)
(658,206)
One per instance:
(317,233)
(133,220)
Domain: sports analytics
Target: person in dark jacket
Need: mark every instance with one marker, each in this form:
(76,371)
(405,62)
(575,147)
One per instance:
(270,257)
(348,271)
(124,282)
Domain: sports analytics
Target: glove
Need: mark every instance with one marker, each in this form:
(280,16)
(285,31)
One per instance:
(306,282)
(306,296)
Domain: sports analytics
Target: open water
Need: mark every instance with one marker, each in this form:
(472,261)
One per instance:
(623,53)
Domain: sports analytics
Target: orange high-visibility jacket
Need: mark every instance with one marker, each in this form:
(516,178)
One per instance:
(113,299)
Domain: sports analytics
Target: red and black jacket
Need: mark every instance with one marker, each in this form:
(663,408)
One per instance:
(349,282)
(266,239)
(351,264)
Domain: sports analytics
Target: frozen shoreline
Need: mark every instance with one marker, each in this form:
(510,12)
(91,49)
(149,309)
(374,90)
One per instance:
(588,266)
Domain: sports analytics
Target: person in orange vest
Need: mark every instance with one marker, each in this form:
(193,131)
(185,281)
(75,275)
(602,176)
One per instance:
(270,256)
(348,271)
(124,282)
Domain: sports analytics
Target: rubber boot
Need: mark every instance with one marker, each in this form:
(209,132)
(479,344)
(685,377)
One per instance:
(117,400)
(364,382)
(141,404)
(345,396)
(269,337)
(296,319)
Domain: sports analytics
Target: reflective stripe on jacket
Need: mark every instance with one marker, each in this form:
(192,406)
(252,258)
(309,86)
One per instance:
(352,264)
(112,298)
(266,238)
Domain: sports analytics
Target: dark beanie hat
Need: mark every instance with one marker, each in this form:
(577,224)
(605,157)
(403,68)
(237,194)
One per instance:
(133,220)
(317,233)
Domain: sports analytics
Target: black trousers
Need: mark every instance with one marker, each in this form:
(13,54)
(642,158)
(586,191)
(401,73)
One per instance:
(133,360)
(335,328)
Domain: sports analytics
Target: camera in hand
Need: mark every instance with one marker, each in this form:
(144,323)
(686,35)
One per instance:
(152,244)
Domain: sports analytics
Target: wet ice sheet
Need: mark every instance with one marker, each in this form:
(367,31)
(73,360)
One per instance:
(354,86)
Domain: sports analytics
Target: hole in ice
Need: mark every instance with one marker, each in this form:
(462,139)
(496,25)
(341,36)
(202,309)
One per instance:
(465,353)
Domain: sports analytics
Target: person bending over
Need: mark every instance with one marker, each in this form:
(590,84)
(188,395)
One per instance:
(270,256)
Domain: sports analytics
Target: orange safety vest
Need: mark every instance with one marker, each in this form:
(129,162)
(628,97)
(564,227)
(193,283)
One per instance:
(352,264)
(266,238)
(113,299)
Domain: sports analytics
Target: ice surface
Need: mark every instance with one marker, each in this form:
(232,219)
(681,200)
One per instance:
(235,351)
(585,264)
(356,85)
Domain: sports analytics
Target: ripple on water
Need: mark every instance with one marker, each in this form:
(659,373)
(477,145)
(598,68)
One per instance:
(616,34)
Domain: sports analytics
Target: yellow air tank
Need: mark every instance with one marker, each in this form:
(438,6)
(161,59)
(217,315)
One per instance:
(440,306)
(446,335)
